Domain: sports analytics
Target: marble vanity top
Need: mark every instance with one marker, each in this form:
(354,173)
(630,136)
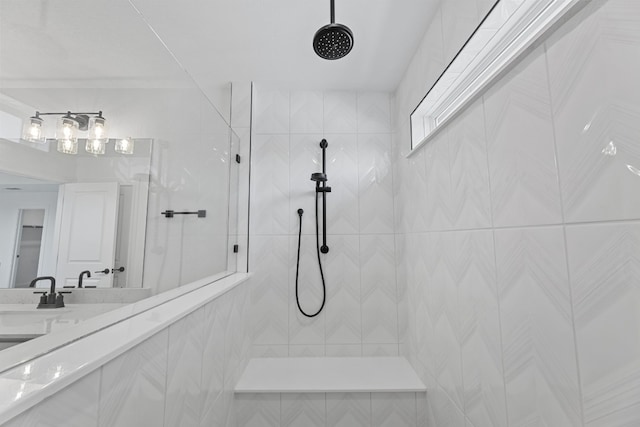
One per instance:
(24,321)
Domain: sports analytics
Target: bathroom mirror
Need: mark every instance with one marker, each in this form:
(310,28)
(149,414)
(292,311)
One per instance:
(31,245)
(80,56)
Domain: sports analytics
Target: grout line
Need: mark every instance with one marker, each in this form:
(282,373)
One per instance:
(565,241)
(289,303)
(326,416)
(394,199)
(495,265)
(360,264)
(526,226)
(166,373)
(452,202)
(99,403)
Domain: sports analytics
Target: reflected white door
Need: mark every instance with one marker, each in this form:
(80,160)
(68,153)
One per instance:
(88,223)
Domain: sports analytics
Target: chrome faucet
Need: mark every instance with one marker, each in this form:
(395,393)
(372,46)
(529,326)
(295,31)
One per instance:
(49,301)
(84,273)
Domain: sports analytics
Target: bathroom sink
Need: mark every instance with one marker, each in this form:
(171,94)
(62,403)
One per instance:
(35,312)
(18,318)
(20,321)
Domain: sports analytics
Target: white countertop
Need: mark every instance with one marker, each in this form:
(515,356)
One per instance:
(24,321)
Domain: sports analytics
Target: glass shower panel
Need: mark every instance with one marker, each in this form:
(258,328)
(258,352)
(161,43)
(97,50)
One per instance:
(234,186)
(191,169)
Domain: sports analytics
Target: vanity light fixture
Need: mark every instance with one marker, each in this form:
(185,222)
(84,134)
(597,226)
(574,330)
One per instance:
(67,133)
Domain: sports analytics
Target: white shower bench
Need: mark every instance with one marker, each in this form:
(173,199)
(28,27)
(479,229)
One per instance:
(329,375)
(330,391)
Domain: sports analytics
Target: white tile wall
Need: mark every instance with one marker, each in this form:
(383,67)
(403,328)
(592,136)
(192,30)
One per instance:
(340,112)
(74,406)
(328,410)
(535,308)
(132,386)
(302,410)
(517,252)
(258,410)
(181,376)
(607,318)
(361,306)
(524,177)
(184,371)
(348,409)
(375,183)
(393,409)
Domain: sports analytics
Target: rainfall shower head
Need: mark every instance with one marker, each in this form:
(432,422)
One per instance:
(333,41)
(318,177)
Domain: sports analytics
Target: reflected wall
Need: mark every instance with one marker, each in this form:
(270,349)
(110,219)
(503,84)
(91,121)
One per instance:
(104,57)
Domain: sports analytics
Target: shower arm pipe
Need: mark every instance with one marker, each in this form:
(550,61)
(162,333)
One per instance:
(333,16)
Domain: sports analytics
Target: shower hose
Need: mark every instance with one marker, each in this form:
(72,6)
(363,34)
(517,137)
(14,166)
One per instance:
(324,289)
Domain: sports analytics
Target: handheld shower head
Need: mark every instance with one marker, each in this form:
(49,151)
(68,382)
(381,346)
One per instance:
(318,177)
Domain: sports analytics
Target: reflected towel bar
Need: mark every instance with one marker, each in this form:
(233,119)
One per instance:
(169,213)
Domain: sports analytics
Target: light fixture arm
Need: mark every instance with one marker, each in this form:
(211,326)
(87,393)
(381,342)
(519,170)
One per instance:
(81,118)
(68,113)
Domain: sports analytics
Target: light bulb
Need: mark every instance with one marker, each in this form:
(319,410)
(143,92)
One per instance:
(67,135)
(124,146)
(68,146)
(97,128)
(95,146)
(67,128)
(33,130)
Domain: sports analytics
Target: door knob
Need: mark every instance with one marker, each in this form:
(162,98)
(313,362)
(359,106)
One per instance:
(105,271)
(117,270)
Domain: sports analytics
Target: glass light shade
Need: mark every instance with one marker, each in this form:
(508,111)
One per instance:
(97,128)
(124,146)
(33,131)
(67,135)
(96,146)
(68,146)
(67,129)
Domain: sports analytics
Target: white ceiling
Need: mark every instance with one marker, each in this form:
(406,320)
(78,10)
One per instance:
(78,43)
(150,43)
(271,40)
(25,184)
